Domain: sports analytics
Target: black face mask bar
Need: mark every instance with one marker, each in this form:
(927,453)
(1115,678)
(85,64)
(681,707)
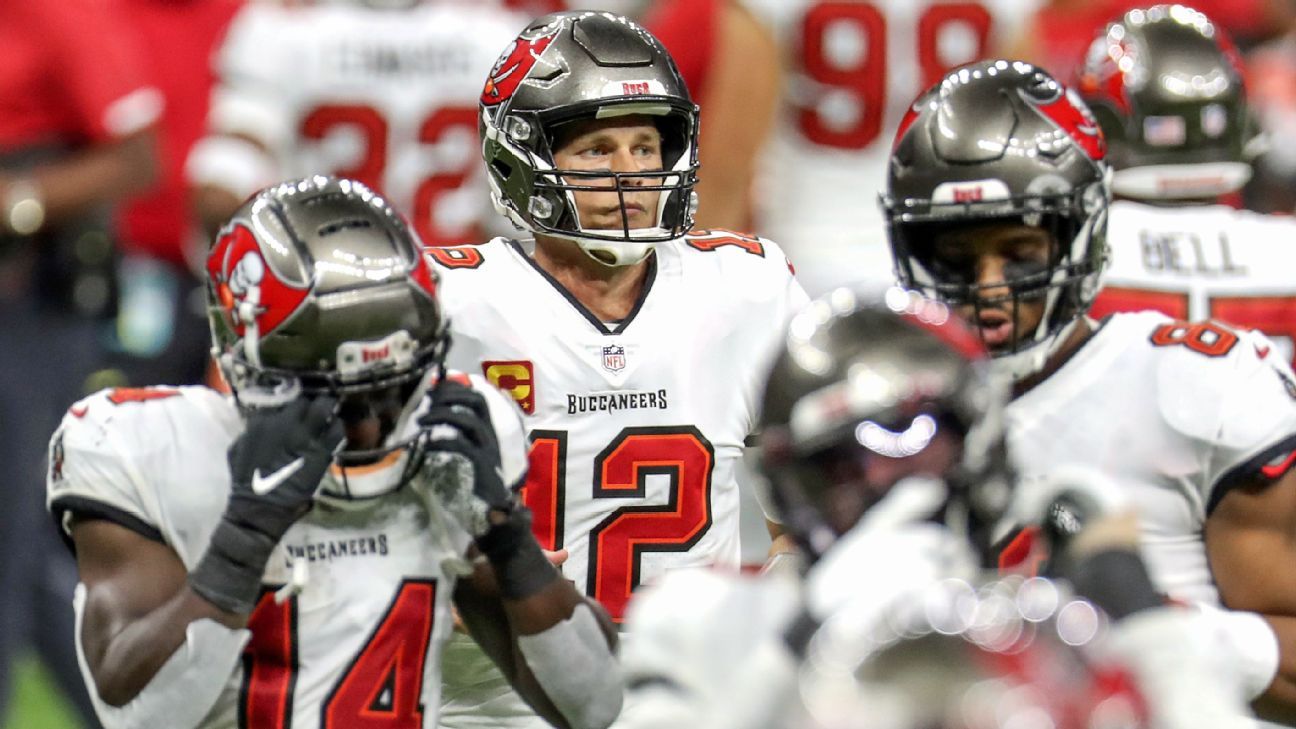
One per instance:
(675,219)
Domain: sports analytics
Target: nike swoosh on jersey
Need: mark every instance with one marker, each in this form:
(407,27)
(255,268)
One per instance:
(262,485)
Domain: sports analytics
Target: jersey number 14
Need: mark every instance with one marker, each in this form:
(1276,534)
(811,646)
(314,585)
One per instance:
(382,687)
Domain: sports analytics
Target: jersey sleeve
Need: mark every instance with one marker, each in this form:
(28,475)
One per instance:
(152,461)
(1240,405)
(779,297)
(1257,418)
(91,473)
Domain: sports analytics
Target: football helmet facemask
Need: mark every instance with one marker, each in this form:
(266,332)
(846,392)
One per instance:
(1002,141)
(317,286)
(878,399)
(582,65)
(1166,85)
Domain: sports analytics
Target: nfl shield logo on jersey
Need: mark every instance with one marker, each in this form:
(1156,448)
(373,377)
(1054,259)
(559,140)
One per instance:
(614,358)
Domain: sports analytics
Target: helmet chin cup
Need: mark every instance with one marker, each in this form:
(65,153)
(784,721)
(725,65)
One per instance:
(616,254)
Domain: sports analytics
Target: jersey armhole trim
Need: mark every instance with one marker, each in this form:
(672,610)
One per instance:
(1247,471)
(94,509)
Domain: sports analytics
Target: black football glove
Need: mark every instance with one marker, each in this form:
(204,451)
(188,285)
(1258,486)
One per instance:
(461,456)
(276,466)
(462,467)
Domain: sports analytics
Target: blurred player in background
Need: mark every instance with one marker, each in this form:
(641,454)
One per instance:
(1177,146)
(848,71)
(161,332)
(77,135)
(381,91)
(998,202)
(1271,93)
(1060,32)
(634,346)
(730,62)
(884,448)
(286,556)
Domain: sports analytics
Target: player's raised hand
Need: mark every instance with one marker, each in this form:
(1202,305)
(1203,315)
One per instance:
(279,460)
(462,459)
(276,466)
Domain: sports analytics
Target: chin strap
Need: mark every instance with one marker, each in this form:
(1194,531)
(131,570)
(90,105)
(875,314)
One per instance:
(621,254)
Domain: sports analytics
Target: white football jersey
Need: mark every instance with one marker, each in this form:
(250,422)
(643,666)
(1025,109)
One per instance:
(387,97)
(362,637)
(1175,414)
(852,70)
(636,427)
(1204,262)
(702,639)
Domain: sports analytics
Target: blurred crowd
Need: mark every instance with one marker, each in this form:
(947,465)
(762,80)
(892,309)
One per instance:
(130,128)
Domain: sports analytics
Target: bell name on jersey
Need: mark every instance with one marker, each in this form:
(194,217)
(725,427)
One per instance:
(1205,262)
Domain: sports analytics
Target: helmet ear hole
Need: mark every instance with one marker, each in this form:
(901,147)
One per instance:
(502,169)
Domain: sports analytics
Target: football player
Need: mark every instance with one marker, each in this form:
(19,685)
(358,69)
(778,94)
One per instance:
(380,91)
(848,70)
(883,444)
(286,556)
(634,346)
(997,203)
(1176,149)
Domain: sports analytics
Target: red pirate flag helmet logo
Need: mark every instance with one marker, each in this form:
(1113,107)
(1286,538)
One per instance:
(512,67)
(1072,116)
(247,289)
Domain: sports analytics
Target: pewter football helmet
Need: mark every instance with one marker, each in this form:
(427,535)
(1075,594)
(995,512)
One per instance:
(1002,141)
(317,286)
(571,66)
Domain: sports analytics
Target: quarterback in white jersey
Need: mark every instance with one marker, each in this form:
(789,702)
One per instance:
(609,405)
(851,69)
(634,347)
(1196,421)
(383,95)
(287,555)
